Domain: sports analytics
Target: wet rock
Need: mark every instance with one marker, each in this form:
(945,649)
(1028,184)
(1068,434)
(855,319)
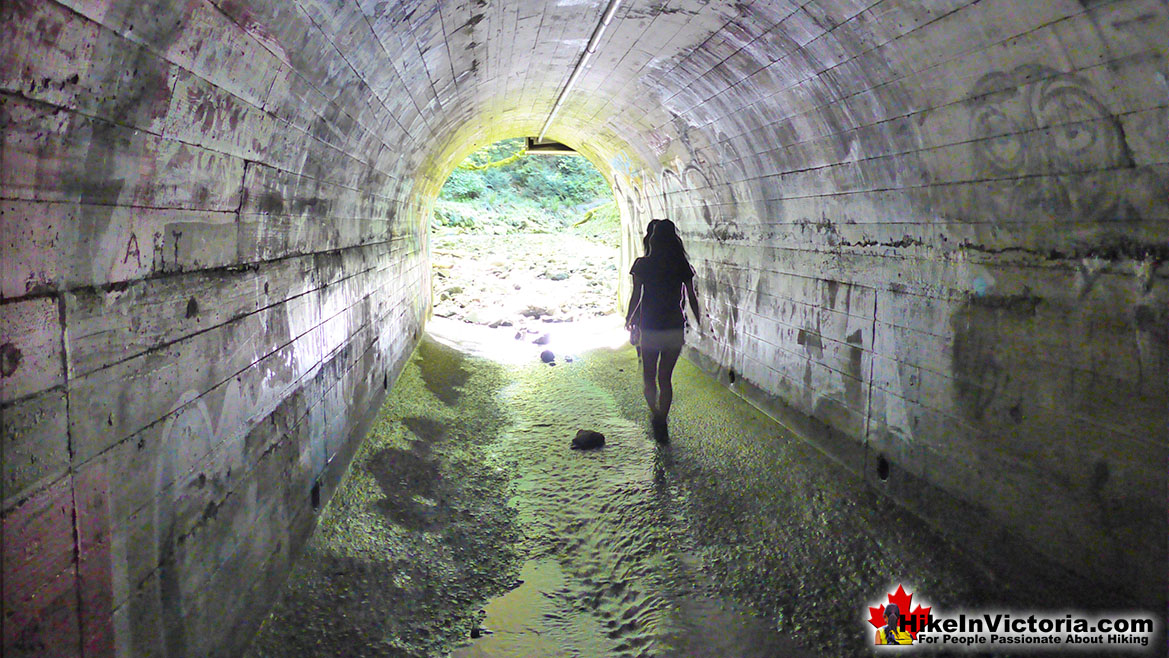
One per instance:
(587,440)
(492,270)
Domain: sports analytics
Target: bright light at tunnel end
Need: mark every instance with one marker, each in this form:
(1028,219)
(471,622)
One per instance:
(565,339)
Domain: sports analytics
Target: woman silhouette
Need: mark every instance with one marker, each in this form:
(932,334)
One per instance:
(633,322)
(655,305)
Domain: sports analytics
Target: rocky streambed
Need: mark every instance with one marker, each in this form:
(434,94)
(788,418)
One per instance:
(524,280)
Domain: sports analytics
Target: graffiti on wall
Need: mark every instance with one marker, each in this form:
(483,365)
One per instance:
(1052,148)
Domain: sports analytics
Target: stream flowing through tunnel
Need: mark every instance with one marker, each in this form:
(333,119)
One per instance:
(735,539)
(931,239)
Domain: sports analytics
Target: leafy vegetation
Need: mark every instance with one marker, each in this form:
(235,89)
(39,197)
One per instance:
(526,194)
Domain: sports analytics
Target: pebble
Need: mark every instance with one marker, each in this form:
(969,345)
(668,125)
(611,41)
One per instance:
(547,356)
(523,278)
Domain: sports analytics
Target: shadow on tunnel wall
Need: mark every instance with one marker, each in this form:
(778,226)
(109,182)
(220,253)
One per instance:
(1074,443)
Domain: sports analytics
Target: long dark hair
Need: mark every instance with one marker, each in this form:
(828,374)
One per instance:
(649,230)
(664,245)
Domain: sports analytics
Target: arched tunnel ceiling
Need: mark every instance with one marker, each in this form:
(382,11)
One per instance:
(828,82)
(714,80)
(661,71)
(511,61)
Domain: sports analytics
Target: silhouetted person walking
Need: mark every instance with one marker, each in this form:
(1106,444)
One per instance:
(633,322)
(655,305)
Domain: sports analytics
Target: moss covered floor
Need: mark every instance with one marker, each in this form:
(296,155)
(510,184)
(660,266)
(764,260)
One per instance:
(465,514)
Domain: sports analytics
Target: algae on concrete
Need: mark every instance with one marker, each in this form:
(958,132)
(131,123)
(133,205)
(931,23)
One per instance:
(418,536)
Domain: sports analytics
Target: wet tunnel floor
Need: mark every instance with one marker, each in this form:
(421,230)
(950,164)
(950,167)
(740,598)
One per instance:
(735,540)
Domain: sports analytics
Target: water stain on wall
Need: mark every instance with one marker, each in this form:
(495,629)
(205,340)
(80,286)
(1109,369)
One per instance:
(981,327)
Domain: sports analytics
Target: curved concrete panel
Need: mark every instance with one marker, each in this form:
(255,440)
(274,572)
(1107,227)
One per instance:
(928,237)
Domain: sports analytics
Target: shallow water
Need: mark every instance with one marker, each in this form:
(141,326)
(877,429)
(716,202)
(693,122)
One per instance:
(610,569)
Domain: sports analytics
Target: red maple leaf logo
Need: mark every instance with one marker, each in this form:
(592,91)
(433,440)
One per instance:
(902,600)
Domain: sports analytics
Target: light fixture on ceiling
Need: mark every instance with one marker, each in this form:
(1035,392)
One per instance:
(537,146)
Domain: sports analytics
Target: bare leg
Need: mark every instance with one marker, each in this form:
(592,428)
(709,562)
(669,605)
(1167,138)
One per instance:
(665,375)
(649,376)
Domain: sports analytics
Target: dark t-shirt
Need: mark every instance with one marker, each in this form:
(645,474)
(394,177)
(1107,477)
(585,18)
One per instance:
(661,297)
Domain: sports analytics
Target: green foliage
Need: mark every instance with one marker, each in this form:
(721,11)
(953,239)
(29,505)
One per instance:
(455,215)
(501,150)
(602,223)
(527,193)
(463,185)
(558,180)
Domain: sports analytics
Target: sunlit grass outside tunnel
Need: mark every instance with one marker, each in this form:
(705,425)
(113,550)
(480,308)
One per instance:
(524,242)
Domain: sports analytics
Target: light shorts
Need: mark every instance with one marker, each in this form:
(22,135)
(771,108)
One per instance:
(662,339)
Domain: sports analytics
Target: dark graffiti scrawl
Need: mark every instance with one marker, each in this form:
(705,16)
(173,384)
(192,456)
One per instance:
(1054,145)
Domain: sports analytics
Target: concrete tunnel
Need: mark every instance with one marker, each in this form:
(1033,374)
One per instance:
(932,237)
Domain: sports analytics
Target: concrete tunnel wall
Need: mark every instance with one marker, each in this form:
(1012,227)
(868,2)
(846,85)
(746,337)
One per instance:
(930,235)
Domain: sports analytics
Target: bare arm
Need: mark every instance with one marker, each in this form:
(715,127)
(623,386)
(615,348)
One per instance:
(634,301)
(690,295)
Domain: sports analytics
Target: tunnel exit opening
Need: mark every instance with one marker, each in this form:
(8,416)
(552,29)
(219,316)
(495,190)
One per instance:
(523,243)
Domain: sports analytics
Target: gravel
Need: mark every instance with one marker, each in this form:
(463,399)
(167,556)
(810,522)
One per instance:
(523,280)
